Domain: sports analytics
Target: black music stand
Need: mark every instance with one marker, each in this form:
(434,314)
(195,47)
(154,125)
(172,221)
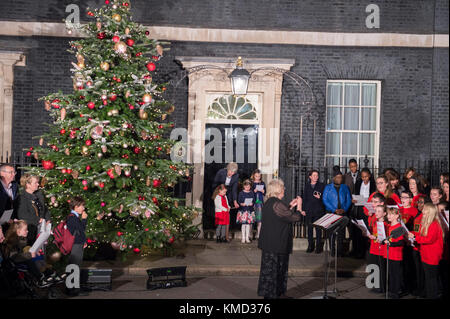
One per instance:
(330,224)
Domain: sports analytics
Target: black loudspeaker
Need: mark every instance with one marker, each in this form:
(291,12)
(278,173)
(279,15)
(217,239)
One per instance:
(169,277)
(96,279)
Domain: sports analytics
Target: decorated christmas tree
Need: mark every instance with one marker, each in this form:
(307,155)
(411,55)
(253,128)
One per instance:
(108,142)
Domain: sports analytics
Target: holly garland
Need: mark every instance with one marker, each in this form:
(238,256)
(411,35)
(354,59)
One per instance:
(107,140)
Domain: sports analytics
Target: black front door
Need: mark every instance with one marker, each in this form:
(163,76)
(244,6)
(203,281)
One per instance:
(226,143)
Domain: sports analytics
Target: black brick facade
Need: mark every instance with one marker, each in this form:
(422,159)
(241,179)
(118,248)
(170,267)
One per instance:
(414,100)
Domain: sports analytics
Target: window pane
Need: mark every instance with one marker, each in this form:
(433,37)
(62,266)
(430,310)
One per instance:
(331,161)
(349,143)
(368,116)
(367,144)
(333,143)
(369,93)
(334,118)
(352,94)
(334,94)
(351,118)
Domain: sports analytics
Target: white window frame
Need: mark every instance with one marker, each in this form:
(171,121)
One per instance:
(377,122)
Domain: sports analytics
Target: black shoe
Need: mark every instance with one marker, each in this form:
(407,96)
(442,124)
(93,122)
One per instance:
(310,249)
(393,296)
(319,250)
(218,240)
(376,290)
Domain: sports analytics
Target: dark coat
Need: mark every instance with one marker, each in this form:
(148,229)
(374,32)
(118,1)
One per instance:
(348,180)
(77,227)
(5,201)
(311,205)
(29,211)
(358,211)
(232,189)
(276,227)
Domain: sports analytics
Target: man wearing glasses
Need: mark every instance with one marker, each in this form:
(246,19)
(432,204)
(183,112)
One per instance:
(8,189)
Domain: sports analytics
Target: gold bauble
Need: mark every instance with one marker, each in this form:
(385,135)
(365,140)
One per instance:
(149,162)
(116,17)
(143,115)
(99,155)
(127,94)
(104,148)
(99,25)
(81,65)
(148,181)
(122,133)
(47,105)
(127,30)
(67,152)
(80,58)
(115,112)
(171,109)
(104,66)
(163,116)
(120,47)
(84,150)
(135,167)
(41,141)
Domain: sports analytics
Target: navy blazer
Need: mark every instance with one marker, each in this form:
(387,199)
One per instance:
(312,205)
(232,189)
(5,201)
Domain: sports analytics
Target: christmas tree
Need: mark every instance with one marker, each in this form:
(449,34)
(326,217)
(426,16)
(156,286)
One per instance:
(108,140)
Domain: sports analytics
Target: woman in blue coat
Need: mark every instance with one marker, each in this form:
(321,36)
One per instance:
(337,200)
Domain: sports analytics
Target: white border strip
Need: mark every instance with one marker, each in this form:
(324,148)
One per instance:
(15,28)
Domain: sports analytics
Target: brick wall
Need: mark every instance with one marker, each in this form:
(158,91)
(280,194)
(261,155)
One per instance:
(412,16)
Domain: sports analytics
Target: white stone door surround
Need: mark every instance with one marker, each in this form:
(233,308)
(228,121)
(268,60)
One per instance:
(265,83)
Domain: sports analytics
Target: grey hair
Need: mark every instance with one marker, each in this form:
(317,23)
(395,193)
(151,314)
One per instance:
(232,167)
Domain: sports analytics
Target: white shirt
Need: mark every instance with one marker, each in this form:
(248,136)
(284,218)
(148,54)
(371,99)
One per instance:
(365,190)
(227,181)
(8,190)
(354,176)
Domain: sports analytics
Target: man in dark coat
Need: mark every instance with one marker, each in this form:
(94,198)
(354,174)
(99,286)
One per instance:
(352,176)
(8,190)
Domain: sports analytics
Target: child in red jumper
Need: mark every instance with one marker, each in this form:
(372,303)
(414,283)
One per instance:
(395,251)
(420,276)
(376,250)
(431,239)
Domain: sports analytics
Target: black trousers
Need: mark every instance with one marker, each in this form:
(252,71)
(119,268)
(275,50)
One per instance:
(359,242)
(273,275)
(309,221)
(443,273)
(381,263)
(420,276)
(409,271)
(395,279)
(431,280)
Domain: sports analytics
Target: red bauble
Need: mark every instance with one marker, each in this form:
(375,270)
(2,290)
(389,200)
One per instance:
(116,38)
(136,250)
(155,200)
(119,233)
(113,97)
(159,148)
(85,188)
(28,154)
(64,171)
(69,171)
(48,165)
(63,131)
(139,54)
(90,14)
(91,105)
(88,142)
(137,150)
(88,168)
(160,126)
(101,185)
(130,42)
(105,102)
(101,35)
(156,182)
(110,173)
(106,1)
(171,239)
(151,66)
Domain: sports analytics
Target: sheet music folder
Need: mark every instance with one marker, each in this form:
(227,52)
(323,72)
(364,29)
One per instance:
(327,221)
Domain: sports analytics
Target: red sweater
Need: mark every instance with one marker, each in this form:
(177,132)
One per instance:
(375,247)
(393,196)
(396,247)
(416,229)
(408,215)
(432,245)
